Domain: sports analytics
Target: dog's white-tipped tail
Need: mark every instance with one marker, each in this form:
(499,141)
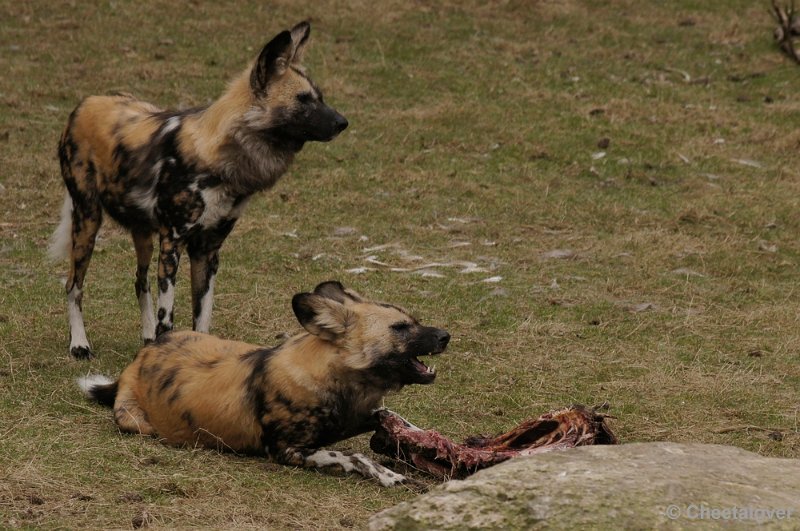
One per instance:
(89,382)
(99,388)
(61,240)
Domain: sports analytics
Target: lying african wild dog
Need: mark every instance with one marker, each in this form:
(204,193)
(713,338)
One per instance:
(186,175)
(319,387)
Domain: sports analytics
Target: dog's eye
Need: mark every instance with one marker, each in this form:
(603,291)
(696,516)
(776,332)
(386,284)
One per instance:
(401,327)
(305,97)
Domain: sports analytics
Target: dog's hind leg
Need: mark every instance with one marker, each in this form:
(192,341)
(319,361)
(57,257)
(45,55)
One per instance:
(143,242)
(129,416)
(331,459)
(79,177)
(81,218)
(85,224)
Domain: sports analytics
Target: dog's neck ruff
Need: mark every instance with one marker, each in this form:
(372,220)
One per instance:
(250,164)
(230,136)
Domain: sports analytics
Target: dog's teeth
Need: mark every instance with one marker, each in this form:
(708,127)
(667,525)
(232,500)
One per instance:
(432,369)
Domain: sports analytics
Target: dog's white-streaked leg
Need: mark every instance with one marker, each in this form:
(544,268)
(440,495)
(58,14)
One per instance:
(143,243)
(166,301)
(204,272)
(203,320)
(148,317)
(86,218)
(354,463)
(78,343)
(168,259)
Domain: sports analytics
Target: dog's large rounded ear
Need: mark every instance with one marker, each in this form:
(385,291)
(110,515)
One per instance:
(323,317)
(273,61)
(333,289)
(300,35)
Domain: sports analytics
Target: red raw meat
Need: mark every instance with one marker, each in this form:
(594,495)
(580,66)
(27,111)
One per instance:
(431,452)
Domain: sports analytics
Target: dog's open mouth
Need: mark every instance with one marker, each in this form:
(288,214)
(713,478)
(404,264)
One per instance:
(425,373)
(430,342)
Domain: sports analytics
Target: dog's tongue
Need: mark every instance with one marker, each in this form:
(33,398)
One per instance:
(421,367)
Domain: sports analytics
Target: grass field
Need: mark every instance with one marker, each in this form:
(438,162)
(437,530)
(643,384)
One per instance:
(612,188)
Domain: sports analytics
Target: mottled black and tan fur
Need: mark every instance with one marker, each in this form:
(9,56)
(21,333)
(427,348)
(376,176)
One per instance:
(319,387)
(184,176)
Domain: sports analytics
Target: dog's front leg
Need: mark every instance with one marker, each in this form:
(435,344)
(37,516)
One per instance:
(204,270)
(143,243)
(168,259)
(334,460)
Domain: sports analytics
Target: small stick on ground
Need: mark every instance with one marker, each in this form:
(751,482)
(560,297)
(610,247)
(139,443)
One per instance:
(746,427)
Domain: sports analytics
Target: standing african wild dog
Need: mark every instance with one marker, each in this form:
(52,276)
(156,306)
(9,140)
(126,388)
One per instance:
(186,175)
(319,387)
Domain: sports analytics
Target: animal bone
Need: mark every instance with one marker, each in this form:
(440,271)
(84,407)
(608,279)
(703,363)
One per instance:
(431,452)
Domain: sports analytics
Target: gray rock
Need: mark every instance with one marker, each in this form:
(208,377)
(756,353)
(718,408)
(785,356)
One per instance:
(630,486)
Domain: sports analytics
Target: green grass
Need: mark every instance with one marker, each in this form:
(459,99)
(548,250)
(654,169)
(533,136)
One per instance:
(473,129)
